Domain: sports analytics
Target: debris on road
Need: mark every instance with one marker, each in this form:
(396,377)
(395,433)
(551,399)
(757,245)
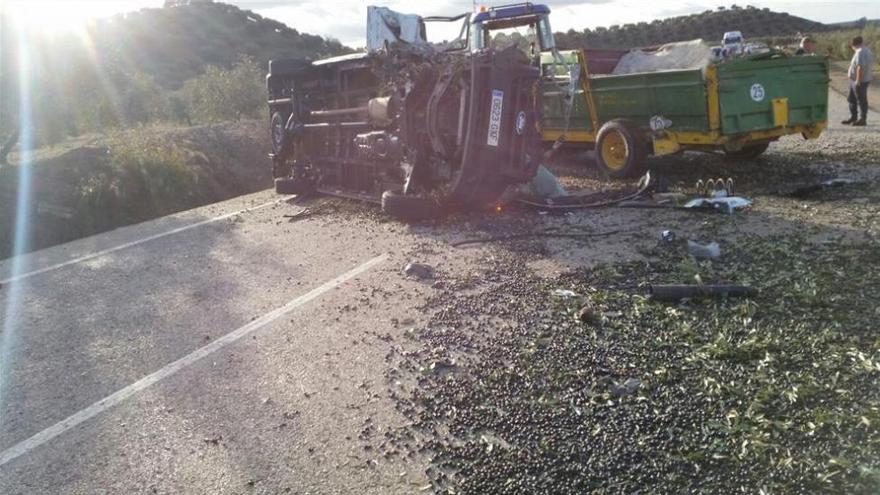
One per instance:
(715,188)
(442,367)
(564,293)
(726,204)
(679,292)
(667,236)
(214,440)
(546,185)
(305,212)
(587,314)
(419,270)
(699,251)
(669,197)
(629,387)
(530,235)
(825,184)
(573,201)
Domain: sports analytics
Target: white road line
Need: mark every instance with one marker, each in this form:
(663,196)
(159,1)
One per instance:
(98,254)
(111,400)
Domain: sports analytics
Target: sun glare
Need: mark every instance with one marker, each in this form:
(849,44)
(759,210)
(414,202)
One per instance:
(57,16)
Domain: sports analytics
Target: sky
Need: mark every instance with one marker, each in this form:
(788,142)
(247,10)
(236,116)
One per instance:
(345,19)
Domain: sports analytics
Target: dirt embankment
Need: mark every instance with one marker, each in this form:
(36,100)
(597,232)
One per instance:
(96,183)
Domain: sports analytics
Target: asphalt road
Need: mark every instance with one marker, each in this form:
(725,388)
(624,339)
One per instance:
(227,349)
(276,407)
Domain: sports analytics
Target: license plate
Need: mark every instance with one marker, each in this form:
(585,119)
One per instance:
(495,117)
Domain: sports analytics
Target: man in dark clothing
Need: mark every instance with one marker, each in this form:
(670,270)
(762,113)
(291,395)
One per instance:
(860,74)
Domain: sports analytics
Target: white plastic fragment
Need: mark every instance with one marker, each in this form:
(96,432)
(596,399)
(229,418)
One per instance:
(709,251)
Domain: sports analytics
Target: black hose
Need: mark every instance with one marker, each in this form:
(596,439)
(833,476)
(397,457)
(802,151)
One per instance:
(679,292)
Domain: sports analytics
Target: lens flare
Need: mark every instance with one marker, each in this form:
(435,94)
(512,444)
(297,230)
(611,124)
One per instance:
(21,232)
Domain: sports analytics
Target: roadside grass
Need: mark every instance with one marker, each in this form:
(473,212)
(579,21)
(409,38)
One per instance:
(773,394)
(139,181)
(836,43)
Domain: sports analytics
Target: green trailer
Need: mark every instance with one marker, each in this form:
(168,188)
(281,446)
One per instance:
(738,106)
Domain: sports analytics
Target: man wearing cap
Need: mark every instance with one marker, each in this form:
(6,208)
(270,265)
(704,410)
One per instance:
(860,69)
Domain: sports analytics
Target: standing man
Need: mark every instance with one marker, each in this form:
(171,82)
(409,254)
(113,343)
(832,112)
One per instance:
(860,70)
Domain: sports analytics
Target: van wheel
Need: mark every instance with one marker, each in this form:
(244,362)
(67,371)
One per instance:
(620,149)
(298,185)
(282,144)
(749,152)
(409,208)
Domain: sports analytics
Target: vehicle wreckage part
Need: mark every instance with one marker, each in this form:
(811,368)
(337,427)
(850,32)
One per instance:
(620,149)
(378,145)
(409,208)
(280,168)
(456,128)
(575,202)
(300,186)
(325,115)
(486,169)
(679,292)
(378,111)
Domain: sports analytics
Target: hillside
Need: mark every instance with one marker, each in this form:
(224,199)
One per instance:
(173,44)
(709,25)
(130,69)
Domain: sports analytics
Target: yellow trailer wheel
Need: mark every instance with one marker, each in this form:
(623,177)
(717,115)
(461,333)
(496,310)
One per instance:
(620,149)
(614,151)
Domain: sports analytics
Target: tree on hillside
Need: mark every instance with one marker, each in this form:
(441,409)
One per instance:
(226,94)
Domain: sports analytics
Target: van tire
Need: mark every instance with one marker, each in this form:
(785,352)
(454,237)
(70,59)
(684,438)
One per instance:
(282,143)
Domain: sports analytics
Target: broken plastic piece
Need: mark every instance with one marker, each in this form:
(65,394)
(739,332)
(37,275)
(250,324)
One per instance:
(546,185)
(699,251)
(727,205)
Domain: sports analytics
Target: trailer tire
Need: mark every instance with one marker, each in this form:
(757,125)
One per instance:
(282,144)
(294,185)
(620,149)
(409,208)
(749,152)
